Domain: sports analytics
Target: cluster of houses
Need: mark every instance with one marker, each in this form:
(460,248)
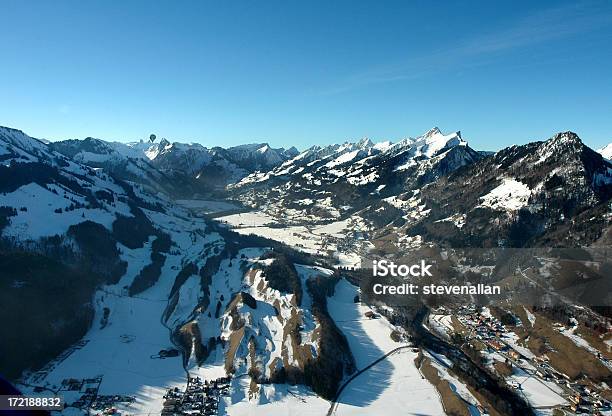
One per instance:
(587,401)
(90,400)
(88,386)
(200,398)
(488,330)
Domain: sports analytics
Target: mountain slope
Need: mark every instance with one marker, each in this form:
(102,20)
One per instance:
(59,215)
(606,151)
(555,193)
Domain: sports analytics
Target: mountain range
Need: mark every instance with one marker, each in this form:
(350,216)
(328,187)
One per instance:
(105,257)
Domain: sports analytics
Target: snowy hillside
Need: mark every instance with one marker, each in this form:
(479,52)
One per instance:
(606,151)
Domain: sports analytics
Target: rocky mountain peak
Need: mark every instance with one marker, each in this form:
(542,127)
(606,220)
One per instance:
(432,132)
(364,143)
(568,137)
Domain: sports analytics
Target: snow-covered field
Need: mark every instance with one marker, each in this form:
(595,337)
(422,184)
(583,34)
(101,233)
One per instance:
(248,219)
(511,195)
(322,239)
(393,386)
(537,392)
(121,352)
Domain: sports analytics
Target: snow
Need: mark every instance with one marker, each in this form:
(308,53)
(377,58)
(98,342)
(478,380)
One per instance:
(273,400)
(606,151)
(317,239)
(393,386)
(435,141)
(120,350)
(457,219)
(537,392)
(511,195)
(342,159)
(582,343)
(442,324)
(136,260)
(382,146)
(248,219)
(40,220)
(512,339)
(530,316)
(363,179)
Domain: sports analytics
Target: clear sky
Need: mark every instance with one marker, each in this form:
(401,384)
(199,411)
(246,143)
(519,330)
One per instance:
(306,72)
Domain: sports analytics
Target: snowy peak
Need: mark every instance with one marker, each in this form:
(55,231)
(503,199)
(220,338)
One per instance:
(565,137)
(567,140)
(435,141)
(259,155)
(432,132)
(363,162)
(215,167)
(606,151)
(365,143)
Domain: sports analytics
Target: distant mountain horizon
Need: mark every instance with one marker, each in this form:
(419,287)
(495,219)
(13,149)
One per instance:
(262,142)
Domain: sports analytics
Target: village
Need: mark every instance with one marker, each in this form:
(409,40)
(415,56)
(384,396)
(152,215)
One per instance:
(201,397)
(577,396)
(86,392)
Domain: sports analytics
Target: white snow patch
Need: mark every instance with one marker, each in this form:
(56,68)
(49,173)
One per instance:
(511,195)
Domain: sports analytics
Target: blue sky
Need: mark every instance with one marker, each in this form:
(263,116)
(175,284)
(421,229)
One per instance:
(307,72)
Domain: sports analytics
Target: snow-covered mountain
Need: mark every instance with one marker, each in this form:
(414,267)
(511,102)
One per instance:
(193,166)
(555,192)
(335,181)
(127,163)
(606,151)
